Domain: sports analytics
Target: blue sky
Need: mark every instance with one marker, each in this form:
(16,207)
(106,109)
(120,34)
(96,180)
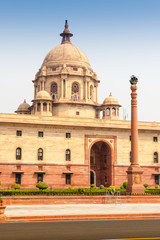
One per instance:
(120,38)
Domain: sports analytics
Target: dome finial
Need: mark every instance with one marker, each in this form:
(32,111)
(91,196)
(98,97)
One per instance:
(66,34)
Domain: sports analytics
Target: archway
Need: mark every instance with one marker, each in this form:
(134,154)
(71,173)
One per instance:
(92,177)
(101,164)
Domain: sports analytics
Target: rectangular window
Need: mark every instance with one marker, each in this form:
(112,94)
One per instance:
(40,134)
(155,157)
(19,133)
(130,138)
(39,178)
(155,139)
(18,178)
(68,135)
(68,179)
(77,113)
(156,178)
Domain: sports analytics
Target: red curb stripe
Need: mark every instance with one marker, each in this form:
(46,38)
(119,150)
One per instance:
(80,217)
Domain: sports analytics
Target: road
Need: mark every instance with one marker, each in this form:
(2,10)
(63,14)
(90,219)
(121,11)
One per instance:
(81,230)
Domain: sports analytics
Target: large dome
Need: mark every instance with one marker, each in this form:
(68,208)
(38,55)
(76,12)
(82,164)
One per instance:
(66,53)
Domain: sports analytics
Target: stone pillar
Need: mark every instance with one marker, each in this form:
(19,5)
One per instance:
(34,91)
(96,93)
(134,171)
(85,89)
(41,107)
(43,85)
(66,95)
(61,88)
(88,92)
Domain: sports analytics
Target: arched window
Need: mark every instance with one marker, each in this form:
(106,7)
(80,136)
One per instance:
(75,97)
(108,112)
(18,153)
(68,155)
(44,107)
(155,157)
(113,112)
(75,87)
(40,154)
(38,107)
(54,88)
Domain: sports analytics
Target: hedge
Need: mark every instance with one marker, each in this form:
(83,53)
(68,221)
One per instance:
(152,191)
(70,192)
(56,192)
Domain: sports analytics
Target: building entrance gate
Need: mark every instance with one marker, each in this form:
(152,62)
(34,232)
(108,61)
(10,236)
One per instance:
(100,164)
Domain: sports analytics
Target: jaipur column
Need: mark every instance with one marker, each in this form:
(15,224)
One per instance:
(135,185)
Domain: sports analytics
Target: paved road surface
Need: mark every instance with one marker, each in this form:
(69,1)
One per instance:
(81,230)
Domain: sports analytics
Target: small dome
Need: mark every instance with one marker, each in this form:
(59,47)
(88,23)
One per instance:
(43,95)
(110,100)
(23,107)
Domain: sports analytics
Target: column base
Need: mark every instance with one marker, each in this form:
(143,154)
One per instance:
(135,185)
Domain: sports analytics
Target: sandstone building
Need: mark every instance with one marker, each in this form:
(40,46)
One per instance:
(62,139)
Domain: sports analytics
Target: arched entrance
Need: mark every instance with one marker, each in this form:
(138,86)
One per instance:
(92,177)
(101,164)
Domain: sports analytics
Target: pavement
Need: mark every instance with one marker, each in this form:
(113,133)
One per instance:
(21,213)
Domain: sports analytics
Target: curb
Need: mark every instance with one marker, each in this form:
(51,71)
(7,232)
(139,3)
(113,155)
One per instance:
(80,217)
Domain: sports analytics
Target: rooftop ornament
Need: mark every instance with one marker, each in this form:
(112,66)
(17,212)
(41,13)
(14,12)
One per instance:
(133,80)
(66,35)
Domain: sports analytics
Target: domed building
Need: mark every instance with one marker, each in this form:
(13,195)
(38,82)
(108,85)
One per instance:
(67,76)
(66,138)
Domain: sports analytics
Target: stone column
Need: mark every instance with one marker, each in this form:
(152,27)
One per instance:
(43,85)
(85,89)
(61,88)
(66,88)
(88,91)
(41,107)
(34,91)
(134,171)
(96,93)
